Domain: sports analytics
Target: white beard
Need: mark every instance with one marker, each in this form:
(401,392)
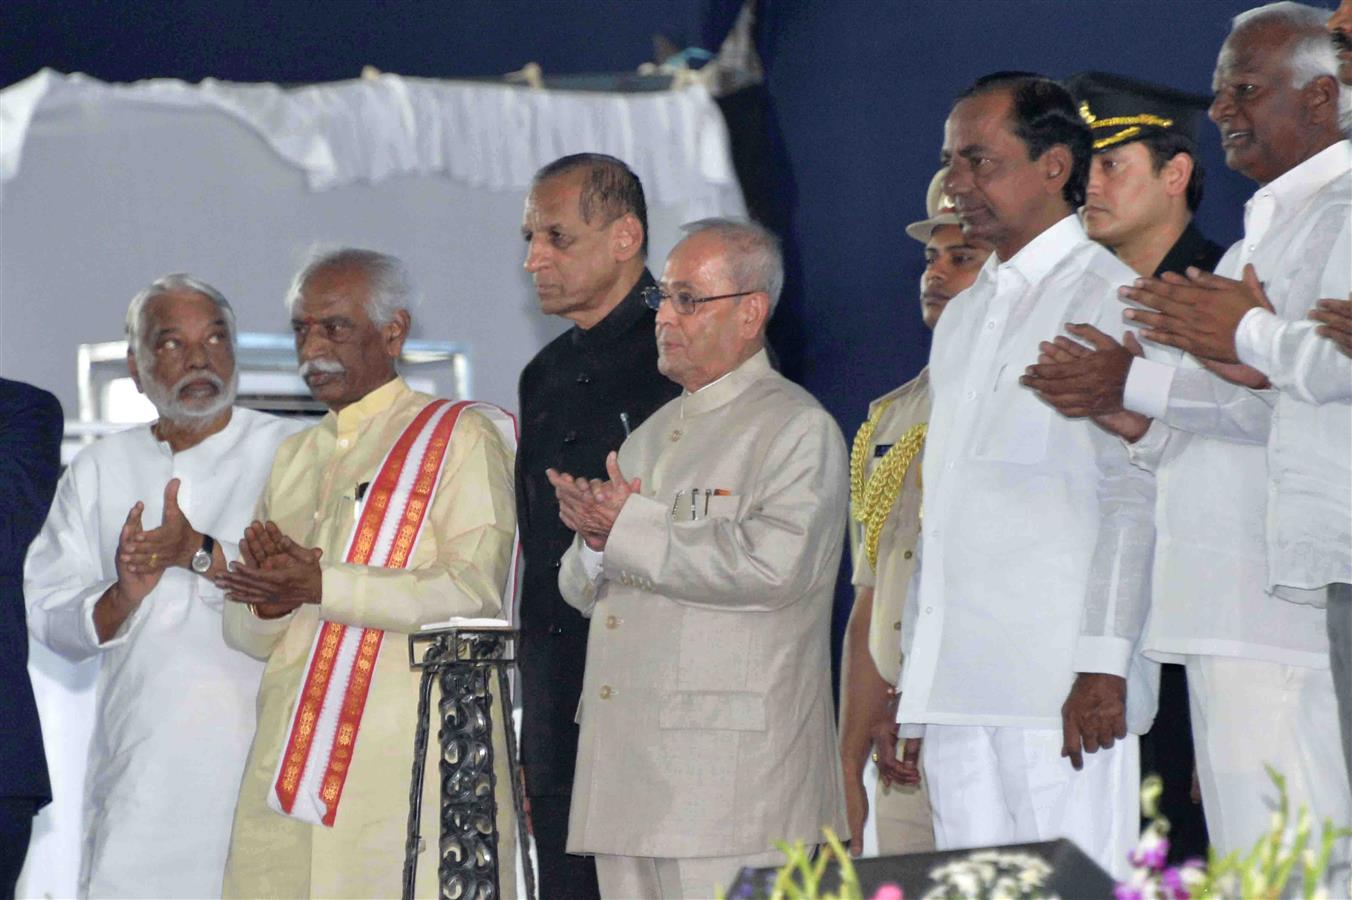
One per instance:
(192,415)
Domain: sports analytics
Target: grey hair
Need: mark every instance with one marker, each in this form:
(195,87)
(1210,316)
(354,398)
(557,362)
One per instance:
(171,284)
(391,284)
(1311,55)
(755,261)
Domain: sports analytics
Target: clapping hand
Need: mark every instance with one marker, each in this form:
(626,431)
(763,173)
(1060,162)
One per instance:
(172,544)
(1062,355)
(1082,381)
(276,574)
(134,581)
(1198,314)
(591,506)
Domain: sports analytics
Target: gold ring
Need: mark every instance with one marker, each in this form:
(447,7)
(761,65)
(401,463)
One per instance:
(875,756)
(153,557)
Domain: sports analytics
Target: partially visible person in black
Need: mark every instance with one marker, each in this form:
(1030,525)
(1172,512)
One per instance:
(30,462)
(1145,184)
(586,232)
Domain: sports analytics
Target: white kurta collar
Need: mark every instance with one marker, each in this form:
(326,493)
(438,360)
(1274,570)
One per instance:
(205,447)
(1039,255)
(1035,260)
(1291,189)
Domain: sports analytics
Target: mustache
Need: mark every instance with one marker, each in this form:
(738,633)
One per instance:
(210,378)
(326,366)
(1341,40)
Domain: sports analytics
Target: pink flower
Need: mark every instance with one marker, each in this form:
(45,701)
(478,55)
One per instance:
(1152,852)
(888,891)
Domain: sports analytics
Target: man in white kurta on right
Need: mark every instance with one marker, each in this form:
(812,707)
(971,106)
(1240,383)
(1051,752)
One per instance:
(1266,695)
(1021,668)
(1254,484)
(174,704)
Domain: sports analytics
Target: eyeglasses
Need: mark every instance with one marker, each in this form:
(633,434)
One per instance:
(683,301)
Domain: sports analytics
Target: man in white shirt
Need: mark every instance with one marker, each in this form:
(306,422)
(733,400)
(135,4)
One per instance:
(1258,667)
(1037,530)
(175,706)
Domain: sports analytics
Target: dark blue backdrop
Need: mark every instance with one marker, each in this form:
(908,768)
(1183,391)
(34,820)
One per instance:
(858,90)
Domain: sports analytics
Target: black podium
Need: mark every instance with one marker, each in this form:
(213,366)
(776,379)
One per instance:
(1073,875)
(470,665)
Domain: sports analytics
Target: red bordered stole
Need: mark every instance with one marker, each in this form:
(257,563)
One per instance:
(314,764)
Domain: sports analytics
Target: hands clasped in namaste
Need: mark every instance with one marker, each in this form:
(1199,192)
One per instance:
(275,574)
(591,506)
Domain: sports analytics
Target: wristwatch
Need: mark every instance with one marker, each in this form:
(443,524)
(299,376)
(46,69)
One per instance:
(201,560)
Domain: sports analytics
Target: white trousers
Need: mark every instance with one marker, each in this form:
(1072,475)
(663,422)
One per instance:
(696,877)
(1008,785)
(1248,712)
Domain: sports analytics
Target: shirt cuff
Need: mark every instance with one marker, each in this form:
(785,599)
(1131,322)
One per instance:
(1102,654)
(1148,450)
(911,730)
(593,561)
(91,634)
(1147,387)
(1256,332)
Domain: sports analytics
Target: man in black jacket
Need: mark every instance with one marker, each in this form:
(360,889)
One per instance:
(30,462)
(586,232)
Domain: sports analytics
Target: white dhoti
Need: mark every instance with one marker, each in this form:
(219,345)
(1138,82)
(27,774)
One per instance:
(1247,712)
(1008,785)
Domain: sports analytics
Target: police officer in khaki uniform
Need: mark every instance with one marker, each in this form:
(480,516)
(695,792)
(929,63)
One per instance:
(885,523)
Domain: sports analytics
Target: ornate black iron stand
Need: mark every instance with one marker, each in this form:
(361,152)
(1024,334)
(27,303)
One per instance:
(470,665)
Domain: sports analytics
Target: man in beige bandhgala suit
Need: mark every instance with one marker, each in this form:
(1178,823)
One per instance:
(707,565)
(345,311)
(885,495)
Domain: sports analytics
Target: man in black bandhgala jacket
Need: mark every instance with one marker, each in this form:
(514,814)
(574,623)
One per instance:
(586,233)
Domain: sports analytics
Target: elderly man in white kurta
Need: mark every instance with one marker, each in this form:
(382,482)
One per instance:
(174,704)
(706,718)
(1037,530)
(1250,629)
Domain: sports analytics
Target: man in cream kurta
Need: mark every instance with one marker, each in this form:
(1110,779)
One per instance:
(174,704)
(706,715)
(458,568)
